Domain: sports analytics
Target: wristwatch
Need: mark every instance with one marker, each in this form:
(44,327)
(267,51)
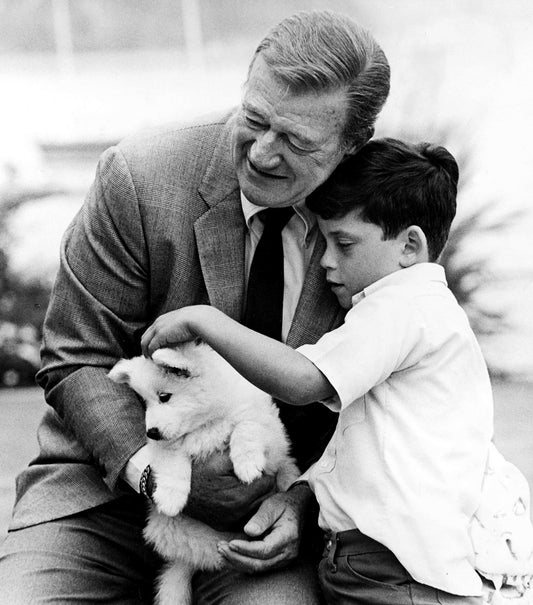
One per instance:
(147,483)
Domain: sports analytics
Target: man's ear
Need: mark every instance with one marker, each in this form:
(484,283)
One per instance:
(361,141)
(415,246)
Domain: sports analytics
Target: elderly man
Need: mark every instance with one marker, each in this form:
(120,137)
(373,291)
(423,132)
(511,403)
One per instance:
(173,219)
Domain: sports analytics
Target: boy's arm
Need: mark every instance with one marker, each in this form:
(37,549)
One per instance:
(270,365)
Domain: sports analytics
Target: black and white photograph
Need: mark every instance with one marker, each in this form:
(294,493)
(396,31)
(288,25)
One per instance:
(266,302)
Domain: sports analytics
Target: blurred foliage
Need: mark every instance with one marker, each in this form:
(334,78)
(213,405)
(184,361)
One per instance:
(22,307)
(467,276)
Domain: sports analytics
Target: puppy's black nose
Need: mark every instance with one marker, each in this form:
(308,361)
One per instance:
(154,433)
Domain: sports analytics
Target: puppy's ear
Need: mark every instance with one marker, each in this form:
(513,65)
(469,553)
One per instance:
(121,372)
(172,361)
(171,358)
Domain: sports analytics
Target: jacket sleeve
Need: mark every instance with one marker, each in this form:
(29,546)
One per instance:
(99,304)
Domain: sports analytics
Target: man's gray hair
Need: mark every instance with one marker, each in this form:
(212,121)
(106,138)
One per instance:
(322,51)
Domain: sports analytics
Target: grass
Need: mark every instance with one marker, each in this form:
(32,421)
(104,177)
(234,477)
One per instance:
(23,408)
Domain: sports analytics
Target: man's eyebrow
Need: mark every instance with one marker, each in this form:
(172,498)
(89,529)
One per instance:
(248,107)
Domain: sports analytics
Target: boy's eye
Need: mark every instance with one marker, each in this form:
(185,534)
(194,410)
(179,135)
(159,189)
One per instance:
(164,397)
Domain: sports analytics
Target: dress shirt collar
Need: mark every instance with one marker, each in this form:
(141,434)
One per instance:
(301,210)
(416,273)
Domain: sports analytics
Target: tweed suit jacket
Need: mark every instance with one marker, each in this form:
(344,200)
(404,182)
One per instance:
(161,228)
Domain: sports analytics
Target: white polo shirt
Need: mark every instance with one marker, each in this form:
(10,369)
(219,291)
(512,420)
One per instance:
(406,462)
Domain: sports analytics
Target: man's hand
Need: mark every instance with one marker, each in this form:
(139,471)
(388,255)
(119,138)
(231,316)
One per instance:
(219,499)
(275,532)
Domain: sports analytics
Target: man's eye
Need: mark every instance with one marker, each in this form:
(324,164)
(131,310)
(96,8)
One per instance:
(253,123)
(164,397)
(297,149)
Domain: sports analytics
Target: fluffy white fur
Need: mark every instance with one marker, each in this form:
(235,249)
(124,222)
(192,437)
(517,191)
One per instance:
(209,407)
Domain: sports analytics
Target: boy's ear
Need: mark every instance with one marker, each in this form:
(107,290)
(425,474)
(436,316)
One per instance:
(415,247)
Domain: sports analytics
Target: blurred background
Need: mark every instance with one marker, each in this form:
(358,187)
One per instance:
(78,75)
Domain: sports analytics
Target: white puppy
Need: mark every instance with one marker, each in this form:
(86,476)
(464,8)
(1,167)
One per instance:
(196,403)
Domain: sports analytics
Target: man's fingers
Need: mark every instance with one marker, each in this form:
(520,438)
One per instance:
(248,564)
(277,522)
(272,545)
(266,517)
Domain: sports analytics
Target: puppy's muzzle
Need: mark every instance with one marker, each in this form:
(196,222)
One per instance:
(154,433)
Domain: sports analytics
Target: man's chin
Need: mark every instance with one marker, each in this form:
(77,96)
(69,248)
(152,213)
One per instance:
(265,197)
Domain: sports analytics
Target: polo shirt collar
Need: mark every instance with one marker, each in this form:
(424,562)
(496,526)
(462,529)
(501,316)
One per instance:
(415,274)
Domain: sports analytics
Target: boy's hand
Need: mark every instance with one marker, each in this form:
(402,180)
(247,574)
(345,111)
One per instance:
(172,328)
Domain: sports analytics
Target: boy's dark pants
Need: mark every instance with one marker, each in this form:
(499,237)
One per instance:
(356,570)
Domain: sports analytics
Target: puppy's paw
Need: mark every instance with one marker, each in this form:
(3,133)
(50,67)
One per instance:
(169,500)
(249,467)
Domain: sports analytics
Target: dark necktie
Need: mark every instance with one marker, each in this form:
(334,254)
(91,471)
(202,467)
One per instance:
(264,300)
(311,426)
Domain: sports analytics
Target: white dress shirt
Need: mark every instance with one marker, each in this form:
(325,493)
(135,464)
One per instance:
(298,236)
(406,462)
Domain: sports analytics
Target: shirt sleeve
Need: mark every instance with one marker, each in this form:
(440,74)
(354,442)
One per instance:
(382,334)
(134,468)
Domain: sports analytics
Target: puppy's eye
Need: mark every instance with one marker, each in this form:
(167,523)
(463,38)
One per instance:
(164,397)
(179,372)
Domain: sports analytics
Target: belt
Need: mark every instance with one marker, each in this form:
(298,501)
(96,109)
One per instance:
(351,542)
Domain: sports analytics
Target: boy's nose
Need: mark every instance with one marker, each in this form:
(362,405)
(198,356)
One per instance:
(326,262)
(154,433)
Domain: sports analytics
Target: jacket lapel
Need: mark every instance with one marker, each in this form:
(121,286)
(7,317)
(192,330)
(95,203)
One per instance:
(220,231)
(318,310)
(220,240)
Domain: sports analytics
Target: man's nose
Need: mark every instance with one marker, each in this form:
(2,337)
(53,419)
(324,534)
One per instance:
(265,151)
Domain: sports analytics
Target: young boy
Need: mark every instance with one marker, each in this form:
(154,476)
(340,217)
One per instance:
(402,475)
